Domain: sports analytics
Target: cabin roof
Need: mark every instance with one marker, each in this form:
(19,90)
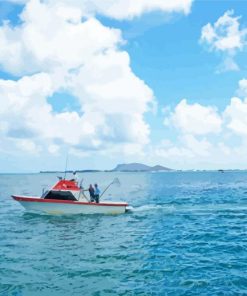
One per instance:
(66,185)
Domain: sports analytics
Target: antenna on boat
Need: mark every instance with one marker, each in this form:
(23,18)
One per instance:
(66,164)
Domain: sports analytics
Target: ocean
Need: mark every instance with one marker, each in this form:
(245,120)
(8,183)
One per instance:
(185,234)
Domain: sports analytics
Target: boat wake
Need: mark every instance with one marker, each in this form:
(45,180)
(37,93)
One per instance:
(188,208)
(150,207)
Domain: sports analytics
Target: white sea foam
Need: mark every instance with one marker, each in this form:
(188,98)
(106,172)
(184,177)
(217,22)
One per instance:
(188,208)
(150,207)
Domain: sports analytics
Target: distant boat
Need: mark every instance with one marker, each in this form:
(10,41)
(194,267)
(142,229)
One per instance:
(66,197)
(221,171)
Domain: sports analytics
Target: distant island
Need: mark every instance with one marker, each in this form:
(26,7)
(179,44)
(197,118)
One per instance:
(125,167)
(139,167)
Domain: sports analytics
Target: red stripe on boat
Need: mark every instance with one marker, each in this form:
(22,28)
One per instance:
(33,199)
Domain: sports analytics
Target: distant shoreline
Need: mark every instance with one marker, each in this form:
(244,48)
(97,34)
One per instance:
(110,171)
(125,167)
(130,168)
(140,171)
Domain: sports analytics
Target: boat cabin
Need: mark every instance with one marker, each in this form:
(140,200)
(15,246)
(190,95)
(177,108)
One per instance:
(63,190)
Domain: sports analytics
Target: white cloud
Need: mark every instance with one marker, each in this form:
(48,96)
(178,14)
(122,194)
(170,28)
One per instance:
(195,119)
(206,138)
(26,114)
(190,147)
(121,9)
(197,147)
(101,80)
(52,33)
(28,146)
(193,153)
(21,102)
(83,58)
(53,36)
(225,36)
(124,9)
(70,50)
(53,149)
(228,64)
(236,116)
(242,88)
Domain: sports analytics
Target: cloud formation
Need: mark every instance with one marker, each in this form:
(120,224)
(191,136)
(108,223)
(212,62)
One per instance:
(62,47)
(242,90)
(121,9)
(206,136)
(227,37)
(53,36)
(236,115)
(55,50)
(195,119)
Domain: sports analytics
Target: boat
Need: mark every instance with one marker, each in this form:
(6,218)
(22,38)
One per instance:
(66,197)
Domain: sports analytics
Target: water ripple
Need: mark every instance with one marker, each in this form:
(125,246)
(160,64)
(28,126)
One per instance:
(184,234)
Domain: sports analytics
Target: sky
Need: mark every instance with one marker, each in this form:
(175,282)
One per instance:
(120,81)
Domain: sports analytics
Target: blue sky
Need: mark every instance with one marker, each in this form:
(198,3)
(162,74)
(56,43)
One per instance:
(168,61)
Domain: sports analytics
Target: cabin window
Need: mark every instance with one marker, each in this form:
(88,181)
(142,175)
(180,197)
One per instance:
(61,195)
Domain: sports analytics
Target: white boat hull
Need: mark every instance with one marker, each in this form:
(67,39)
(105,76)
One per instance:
(61,207)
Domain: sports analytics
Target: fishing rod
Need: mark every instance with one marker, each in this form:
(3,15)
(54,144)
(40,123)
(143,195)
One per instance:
(115,181)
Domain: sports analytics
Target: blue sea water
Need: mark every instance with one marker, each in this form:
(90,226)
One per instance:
(186,234)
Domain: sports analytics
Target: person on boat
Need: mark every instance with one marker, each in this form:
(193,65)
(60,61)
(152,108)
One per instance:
(91,192)
(96,193)
(75,177)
